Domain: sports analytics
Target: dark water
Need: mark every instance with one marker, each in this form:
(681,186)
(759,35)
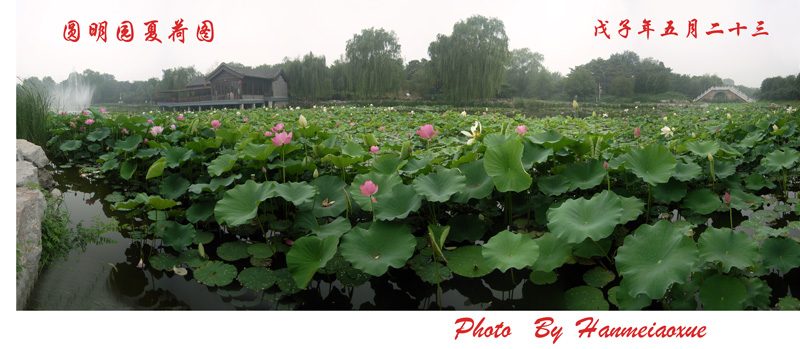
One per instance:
(106,277)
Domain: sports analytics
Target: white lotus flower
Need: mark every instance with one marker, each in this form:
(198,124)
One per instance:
(475,132)
(666,131)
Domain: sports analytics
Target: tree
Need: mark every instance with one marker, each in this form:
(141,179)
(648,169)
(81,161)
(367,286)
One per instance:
(374,64)
(580,83)
(523,70)
(471,63)
(310,77)
(622,86)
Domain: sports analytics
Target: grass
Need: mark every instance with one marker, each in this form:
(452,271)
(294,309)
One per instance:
(33,107)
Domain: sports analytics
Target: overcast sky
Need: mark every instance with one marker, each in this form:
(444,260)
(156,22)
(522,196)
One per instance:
(257,32)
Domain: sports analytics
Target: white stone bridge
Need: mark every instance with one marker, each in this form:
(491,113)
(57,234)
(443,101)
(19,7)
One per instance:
(730,93)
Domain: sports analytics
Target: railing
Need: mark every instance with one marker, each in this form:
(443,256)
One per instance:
(734,90)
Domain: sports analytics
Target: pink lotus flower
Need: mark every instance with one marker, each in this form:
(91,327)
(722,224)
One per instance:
(89,121)
(382,128)
(149,121)
(278,128)
(288,241)
(369,189)
(215,124)
(71,124)
(125,131)
(145,140)
(81,128)
(267,134)
(427,132)
(637,132)
(180,117)
(605,165)
(172,127)
(408,134)
(155,130)
(728,199)
(352,124)
(374,149)
(141,264)
(521,129)
(103,110)
(85,112)
(244,119)
(281,139)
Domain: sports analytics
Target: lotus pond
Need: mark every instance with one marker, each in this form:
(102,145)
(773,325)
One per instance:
(374,208)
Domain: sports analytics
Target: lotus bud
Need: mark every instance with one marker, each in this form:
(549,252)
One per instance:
(316,173)
(605,165)
(302,122)
(728,199)
(694,135)
(775,127)
(729,116)
(710,157)
(665,119)
(594,114)
(637,132)
(201,251)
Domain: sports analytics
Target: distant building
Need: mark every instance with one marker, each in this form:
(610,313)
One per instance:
(230,87)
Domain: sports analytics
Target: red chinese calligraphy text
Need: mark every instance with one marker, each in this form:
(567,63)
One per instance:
(151,34)
(646,28)
(125,31)
(205,31)
(177,31)
(72,31)
(99,30)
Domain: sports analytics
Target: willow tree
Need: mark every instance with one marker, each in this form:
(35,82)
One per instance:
(374,65)
(471,63)
(310,77)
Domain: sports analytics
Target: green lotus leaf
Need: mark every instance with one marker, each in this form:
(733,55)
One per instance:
(98,135)
(764,216)
(257,278)
(147,153)
(414,165)
(307,255)
(440,186)
(551,139)
(240,204)
(585,298)
(215,273)
(233,251)
(496,139)
(781,254)
(598,277)
(109,165)
(174,234)
(703,148)
(260,250)
(578,219)
(127,169)
(620,297)
(788,303)
(654,163)
(543,277)
(340,161)
(352,277)
(552,253)
(258,152)
(385,184)
(398,204)
(295,192)
(504,164)
(430,272)
(93,147)
(722,292)
(553,185)
(509,250)
(306,221)
(160,203)
(732,249)
(163,261)
(175,156)
(468,228)
(468,261)
(114,197)
(534,154)
(202,237)
(654,257)
(388,164)
(584,175)
(744,201)
(478,185)
(384,245)
(221,164)
(672,191)
(437,235)
(200,211)
(128,144)
(353,150)
(156,169)
(192,258)
(686,171)
(728,149)
(174,186)
(702,201)
(723,169)
(758,293)
(779,159)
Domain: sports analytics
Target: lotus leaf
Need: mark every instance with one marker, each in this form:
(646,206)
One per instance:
(504,164)
(215,273)
(174,234)
(478,184)
(702,201)
(654,163)
(722,292)
(440,186)
(585,298)
(552,253)
(578,219)
(509,250)
(257,278)
(584,175)
(731,248)
(598,277)
(384,245)
(240,204)
(307,255)
(781,254)
(233,251)
(295,192)
(468,261)
(221,164)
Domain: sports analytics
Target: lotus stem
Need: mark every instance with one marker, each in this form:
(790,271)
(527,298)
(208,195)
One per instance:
(438,280)
(648,204)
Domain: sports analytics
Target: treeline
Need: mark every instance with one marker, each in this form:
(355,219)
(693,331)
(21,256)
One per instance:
(473,63)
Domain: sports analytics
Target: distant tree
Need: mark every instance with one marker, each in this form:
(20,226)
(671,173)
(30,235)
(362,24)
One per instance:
(581,83)
(622,86)
(779,89)
(417,80)
(523,70)
(374,63)
(310,77)
(471,62)
(177,78)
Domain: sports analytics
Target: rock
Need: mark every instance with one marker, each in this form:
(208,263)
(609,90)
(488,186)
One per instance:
(26,172)
(30,211)
(46,179)
(55,193)
(32,152)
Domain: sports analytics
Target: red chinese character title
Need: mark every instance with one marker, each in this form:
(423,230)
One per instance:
(125,31)
(670,30)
